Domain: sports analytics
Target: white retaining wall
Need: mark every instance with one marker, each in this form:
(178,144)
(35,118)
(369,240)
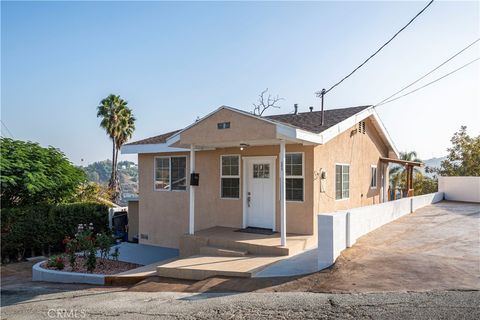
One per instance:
(42,274)
(460,188)
(339,230)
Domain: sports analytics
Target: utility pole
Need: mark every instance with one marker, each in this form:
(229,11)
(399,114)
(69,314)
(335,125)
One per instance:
(322,94)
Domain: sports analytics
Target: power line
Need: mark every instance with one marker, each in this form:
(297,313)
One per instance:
(9,132)
(428,73)
(430,83)
(384,45)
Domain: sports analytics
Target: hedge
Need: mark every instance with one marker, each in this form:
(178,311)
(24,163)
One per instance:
(34,230)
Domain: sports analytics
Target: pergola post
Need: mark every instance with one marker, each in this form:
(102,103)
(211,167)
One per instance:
(283,219)
(191,216)
(410,181)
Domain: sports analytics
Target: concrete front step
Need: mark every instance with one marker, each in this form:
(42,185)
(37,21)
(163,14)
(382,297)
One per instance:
(222,252)
(201,267)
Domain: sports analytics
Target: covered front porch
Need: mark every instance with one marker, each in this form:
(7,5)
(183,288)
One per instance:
(257,180)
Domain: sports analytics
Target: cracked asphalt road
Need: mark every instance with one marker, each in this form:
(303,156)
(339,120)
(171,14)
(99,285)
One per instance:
(300,305)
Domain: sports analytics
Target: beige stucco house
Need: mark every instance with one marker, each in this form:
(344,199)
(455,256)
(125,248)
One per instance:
(273,172)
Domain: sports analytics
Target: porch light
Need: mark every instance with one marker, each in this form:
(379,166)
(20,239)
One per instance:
(243,146)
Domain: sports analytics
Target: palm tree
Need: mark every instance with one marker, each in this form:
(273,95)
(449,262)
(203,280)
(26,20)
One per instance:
(119,124)
(398,173)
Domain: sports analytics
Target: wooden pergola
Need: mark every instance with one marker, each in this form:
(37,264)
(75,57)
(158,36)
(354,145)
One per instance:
(409,165)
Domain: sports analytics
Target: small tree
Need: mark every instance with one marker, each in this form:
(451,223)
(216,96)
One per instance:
(264,103)
(31,174)
(424,185)
(463,157)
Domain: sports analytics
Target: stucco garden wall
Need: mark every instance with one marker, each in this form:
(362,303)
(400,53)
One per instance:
(460,188)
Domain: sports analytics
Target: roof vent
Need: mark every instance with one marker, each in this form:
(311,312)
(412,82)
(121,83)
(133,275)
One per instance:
(296,108)
(311,108)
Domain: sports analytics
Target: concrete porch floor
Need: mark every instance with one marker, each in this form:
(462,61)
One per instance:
(259,244)
(255,252)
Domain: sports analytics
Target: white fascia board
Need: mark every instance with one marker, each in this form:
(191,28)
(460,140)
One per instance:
(149,148)
(295,134)
(384,133)
(172,139)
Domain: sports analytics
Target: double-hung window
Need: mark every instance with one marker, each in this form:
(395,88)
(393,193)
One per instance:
(230,176)
(373,180)
(294,176)
(170,173)
(342,181)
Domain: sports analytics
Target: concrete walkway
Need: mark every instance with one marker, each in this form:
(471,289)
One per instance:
(300,264)
(143,254)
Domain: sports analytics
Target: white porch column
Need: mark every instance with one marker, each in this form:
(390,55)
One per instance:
(191,219)
(283,217)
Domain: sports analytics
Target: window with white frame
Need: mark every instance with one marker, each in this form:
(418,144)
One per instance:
(294,176)
(170,173)
(342,181)
(230,176)
(373,180)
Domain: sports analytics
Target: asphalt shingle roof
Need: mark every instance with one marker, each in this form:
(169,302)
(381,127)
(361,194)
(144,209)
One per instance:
(309,121)
(154,140)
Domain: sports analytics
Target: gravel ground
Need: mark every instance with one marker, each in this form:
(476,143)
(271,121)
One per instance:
(162,305)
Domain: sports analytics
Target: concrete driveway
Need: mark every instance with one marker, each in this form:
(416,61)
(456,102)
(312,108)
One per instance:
(435,248)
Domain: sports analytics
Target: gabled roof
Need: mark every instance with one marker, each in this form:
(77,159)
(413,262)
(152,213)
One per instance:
(304,126)
(308,121)
(311,121)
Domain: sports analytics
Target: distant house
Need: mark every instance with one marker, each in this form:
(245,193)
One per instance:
(273,172)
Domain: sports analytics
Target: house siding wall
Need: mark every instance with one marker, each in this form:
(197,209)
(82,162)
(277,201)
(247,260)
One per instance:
(164,214)
(246,127)
(359,150)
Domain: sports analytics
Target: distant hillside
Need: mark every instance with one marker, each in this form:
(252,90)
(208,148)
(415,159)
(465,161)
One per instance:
(100,171)
(128,175)
(432,163)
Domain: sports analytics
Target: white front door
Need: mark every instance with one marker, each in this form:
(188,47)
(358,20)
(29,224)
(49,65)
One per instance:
(260,192)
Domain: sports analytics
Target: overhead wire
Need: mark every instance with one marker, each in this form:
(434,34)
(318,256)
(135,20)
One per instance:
(376,52)
(429,73)
(428,84)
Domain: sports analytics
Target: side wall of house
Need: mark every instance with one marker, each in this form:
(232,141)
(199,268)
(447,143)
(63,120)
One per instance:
(360,151)
(164,214)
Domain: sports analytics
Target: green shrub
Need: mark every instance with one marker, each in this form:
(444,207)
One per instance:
(105,241)
(91,262)
(56,262)
(41,229)
(71,248)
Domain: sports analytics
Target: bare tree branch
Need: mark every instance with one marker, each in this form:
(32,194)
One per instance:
(265,103)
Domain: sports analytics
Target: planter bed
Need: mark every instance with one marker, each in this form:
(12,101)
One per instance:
(104,266)
(40,272)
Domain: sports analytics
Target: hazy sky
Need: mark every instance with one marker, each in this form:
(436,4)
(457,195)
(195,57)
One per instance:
(175,61)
